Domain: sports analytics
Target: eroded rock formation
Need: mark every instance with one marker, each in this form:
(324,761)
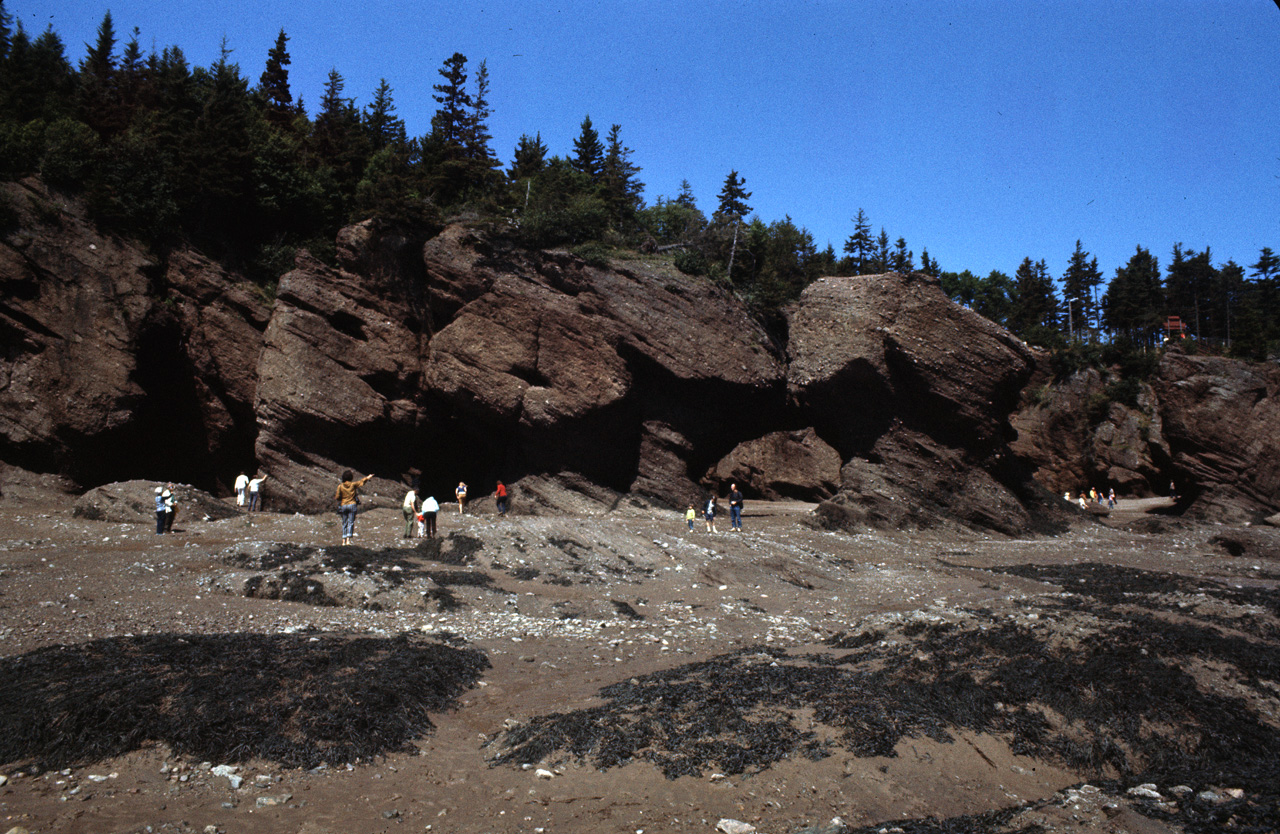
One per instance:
(458,355)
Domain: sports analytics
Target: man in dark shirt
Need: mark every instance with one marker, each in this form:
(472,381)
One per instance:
(735,508)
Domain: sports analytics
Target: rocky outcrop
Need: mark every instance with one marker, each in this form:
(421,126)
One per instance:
(456,355)
(1077,437)
(915,392)
(118,363)
(871,350)
(481,362)
(1221,419)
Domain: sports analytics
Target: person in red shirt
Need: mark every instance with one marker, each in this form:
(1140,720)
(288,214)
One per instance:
(500,498)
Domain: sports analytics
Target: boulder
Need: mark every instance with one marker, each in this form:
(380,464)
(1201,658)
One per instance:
(783,464)
(869,350)
(915,392)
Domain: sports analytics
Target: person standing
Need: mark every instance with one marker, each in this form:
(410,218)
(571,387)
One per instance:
(500,498)
(461,494)
(242,484)
(162,510)
(170,508)
(735,508)
(255,493)
(709,513)
(410,508)
(429,509)
(689,516)
(348,498)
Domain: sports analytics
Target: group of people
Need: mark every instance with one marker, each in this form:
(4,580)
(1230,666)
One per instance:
(1093,498)
(250,488)
(423,511)
(166,509)
(424,514)
(712,508)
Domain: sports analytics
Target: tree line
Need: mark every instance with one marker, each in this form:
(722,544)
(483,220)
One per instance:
(175,154)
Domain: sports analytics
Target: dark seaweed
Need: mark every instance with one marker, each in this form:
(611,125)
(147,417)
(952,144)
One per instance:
(295,699)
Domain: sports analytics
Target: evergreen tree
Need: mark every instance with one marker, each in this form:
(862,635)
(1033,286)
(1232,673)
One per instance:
(881,259)
(732,209)
(685,197)
(483,164)
(620,188)
(902,260)
(588,153)
(381,124)
(1034,315)
(529,158)
(273,85)
(1131,306)
(6,21)
(860,245)
(927,265)
(449,124)
(1079,287)
(99,90)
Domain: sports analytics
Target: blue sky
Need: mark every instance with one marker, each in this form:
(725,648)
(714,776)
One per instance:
(983,130)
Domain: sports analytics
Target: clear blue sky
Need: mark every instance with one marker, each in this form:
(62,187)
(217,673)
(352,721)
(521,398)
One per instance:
(984,131)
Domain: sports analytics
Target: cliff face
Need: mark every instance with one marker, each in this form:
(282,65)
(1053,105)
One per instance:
(462,357)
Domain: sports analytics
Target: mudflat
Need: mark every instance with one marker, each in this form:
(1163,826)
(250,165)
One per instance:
(617,672)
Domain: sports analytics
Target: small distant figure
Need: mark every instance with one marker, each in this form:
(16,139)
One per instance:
(1066,496)
(170,508)
(428,517)
(410,507)
(689,516)
(348,498)
(461,493)
(709,514)
(255,493)
(1111,499)
(1093,496)
(735,508)
(162,510)
(500,498)
(242,484)
(1084,502)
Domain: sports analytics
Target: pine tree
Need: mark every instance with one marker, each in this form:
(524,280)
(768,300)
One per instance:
(1079,285)
(732,209)
(380,121)
(1034,316)
(588,153)
(927,265)
(621,190)
(881,258)
(529,158)
(99,84)
(860,246)
(1131,306)
(273,85)
(902,261)
(449,125)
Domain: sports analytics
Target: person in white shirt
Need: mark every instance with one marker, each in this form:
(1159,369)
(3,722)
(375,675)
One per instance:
(428,524)
(242,483)
(255,493)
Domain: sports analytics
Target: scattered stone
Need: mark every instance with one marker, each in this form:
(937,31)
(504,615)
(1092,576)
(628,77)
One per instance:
(271,801)
(731,826)
(543,773)
(1145,791)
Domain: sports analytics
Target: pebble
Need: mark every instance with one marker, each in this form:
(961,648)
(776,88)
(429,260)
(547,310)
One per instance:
(732,826)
